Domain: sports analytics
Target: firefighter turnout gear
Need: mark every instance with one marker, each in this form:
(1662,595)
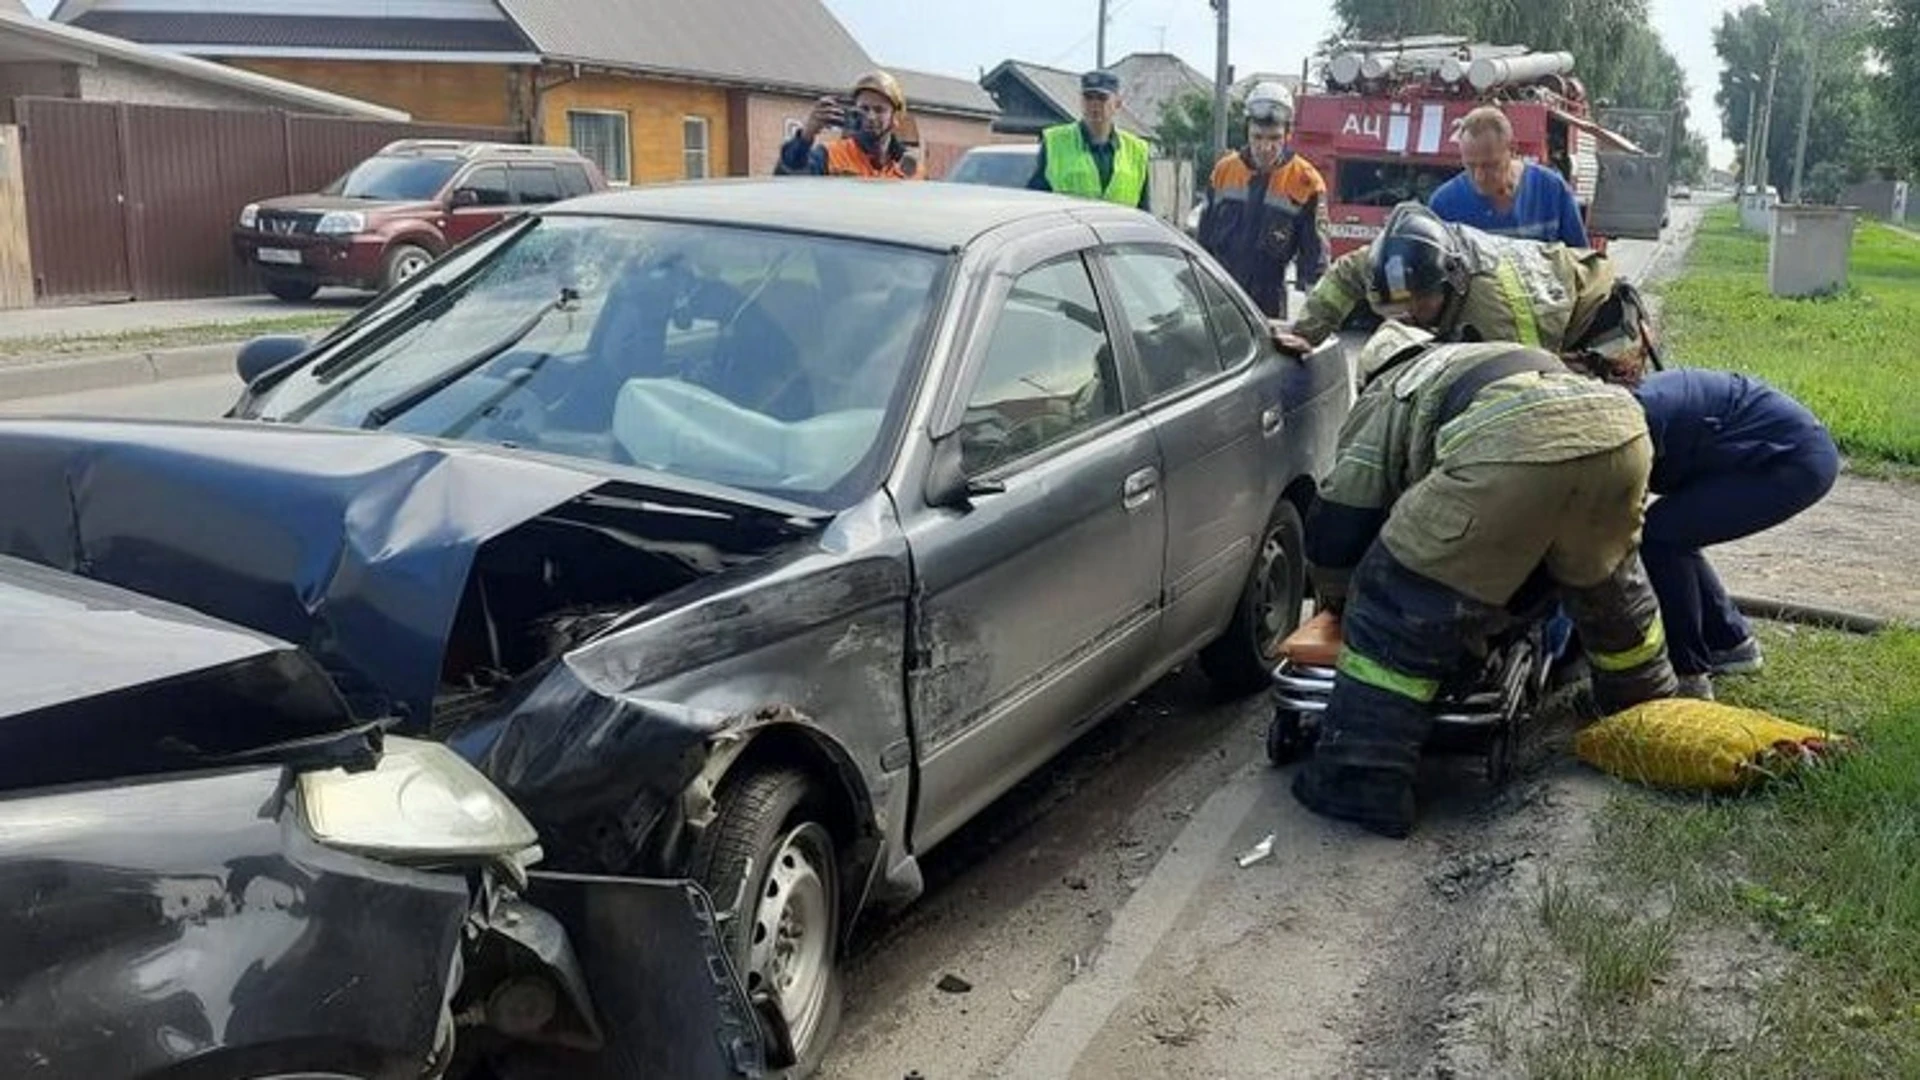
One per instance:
(1116,171)
(1462,471)
(1543,295)
(1258,221)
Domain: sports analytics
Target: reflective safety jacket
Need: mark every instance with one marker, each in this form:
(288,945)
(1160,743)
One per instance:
(1523,291)
(845,156)
(1072,168)
(1259,220)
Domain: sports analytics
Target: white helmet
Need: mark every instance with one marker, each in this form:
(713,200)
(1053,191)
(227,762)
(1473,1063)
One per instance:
(1270,103)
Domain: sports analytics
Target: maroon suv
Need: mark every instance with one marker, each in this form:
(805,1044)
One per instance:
(398,210)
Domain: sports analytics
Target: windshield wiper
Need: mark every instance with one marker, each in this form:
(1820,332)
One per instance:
(385,412)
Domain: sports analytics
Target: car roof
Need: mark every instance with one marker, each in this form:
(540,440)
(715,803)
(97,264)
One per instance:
(931,215)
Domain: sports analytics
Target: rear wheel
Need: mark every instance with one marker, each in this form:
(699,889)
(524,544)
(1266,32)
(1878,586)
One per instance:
(770,863)
(292,290)
(1241,660)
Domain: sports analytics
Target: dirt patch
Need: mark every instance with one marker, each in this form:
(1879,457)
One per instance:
(1854,550)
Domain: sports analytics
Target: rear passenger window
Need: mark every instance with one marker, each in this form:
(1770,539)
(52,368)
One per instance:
(1048,373)
(536,184)
(1231,331)
(1160,296)
(490,185)
(574,181)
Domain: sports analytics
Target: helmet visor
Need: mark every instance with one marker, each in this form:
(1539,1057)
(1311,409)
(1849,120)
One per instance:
(1268,111)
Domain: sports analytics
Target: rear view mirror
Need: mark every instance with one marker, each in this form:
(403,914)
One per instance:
(263,354)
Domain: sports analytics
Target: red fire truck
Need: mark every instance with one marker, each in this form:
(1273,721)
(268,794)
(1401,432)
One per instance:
(1384,130)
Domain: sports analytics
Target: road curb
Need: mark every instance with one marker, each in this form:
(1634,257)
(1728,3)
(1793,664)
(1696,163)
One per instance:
(85,373)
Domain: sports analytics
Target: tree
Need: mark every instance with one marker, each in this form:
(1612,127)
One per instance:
(1186,129)
(1897,44)
(1846,113)
(1690,159)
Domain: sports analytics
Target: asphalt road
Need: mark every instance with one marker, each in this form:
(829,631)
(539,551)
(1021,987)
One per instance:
(1097,912)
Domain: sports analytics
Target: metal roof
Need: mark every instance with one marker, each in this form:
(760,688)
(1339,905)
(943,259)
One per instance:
(939,217)
(126,52)
(1149,82)
(795,44)
(928,92)
(1061,89)
(212,28)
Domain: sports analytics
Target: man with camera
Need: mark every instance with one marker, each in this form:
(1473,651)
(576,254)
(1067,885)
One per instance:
(868,146)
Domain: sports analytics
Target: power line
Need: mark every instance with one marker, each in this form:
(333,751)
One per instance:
(1113,14)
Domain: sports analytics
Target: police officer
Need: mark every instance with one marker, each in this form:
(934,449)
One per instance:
(1461,471)
(869,148)
(1465,285)
(1265,205)
(1093,158)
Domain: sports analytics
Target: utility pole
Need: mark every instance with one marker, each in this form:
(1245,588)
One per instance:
(1813,31)
(1100,50)
(1222,74)
(1747,148)
(1762,167)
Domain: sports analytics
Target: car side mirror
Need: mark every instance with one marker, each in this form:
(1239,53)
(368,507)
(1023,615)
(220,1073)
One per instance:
(466,196)
(263,354)
(948,486)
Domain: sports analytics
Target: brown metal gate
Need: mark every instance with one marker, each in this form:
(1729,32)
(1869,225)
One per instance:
(76,191)
(139,201)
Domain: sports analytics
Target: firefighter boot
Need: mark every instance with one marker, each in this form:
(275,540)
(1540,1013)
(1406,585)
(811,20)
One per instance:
(1619,623)
(1363,768)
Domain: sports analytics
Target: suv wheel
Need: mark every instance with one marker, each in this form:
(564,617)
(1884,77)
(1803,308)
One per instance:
(403,262)
(1241,660)
(292,290)
(769,862)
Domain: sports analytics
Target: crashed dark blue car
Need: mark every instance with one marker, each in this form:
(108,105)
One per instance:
(750,534)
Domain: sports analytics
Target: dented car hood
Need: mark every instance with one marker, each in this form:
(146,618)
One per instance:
(354,546)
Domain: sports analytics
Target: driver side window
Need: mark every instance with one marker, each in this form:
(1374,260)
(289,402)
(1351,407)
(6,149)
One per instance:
(1049,371)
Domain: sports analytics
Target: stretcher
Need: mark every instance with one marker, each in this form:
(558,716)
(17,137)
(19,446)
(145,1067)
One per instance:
(1477,712)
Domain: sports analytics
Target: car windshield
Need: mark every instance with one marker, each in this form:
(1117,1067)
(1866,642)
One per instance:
(395,179)
(996,170)
(760,360)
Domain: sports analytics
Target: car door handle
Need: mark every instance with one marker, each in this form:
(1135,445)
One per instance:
(1272,421)
(1139,488)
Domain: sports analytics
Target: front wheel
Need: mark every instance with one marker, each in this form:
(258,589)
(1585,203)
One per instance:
(402,263)
(770,864)
(1241,660)
(292,290)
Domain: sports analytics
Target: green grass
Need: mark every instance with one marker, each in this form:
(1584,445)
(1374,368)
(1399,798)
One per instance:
(1851,358)
(1822,871)
(58,346)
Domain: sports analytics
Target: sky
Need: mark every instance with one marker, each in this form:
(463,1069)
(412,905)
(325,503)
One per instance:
(969,37)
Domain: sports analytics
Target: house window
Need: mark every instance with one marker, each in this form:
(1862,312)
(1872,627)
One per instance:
(602,138)
(694,129)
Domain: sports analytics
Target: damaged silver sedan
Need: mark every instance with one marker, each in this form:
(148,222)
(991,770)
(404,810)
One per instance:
(756,535)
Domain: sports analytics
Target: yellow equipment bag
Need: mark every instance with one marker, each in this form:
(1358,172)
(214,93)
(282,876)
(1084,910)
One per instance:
(1700,745)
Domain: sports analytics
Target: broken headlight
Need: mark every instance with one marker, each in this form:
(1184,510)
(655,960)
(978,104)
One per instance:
(423,801)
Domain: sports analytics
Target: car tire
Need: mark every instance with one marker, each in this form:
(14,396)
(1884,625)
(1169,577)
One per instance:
(403,261)
(769,862)
(292,290)
(1241,660)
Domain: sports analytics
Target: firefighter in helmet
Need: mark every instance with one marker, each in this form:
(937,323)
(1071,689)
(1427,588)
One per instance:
(870,146)
(1265,205)
(1465,472)
(1465,285)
